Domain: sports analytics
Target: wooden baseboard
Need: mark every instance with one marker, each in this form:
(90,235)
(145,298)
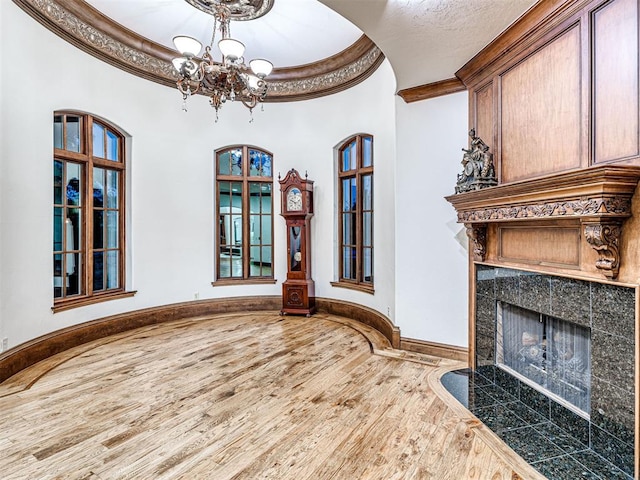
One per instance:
(362,314)
(29,353)
(441,350)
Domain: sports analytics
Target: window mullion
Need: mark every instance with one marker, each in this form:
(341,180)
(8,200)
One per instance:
(246,249)
(88,217)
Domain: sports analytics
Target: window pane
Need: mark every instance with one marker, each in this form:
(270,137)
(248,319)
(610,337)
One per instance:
(73,273)
(367,192)
(98,272)
(57,182)
(57,275)
(98,140)
(349,157)
(73,140)
(265,233)
(367,266)
(348,229)
(236,162)
(73,234)
(112,188)
(98,228)
(74,187)
(349,195)
(367,229)
(266,262)
(113,273)
(236,233)
(367,154)
(265,199)
(112,146)
(224,163)
(256,227)
(58,229)
(349,263)
(58,141)
(112,229)
(98,187)
(259,164)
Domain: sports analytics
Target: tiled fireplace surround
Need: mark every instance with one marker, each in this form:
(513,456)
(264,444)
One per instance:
(609,311)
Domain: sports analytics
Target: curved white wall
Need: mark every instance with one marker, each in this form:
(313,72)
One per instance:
(431,285)
(171,171)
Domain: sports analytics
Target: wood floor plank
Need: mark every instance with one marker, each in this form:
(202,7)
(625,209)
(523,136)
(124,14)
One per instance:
(240,396)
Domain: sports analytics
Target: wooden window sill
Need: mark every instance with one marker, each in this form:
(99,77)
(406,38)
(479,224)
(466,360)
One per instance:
(69,303)
(355,286)
(223,282)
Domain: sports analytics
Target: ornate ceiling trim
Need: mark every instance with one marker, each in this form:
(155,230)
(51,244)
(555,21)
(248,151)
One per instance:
(88,29)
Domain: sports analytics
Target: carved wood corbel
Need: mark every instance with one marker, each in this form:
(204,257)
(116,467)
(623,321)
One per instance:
(477,233)
(604,237)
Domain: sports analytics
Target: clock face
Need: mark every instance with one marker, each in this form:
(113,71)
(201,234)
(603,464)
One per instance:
(294,200)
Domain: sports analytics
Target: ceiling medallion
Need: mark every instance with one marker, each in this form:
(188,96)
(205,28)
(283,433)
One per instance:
(240,9)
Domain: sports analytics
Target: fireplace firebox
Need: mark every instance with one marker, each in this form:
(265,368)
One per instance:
(550,354)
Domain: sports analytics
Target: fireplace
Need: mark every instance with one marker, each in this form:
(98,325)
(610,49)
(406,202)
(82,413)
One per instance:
(525,324)
(547,353)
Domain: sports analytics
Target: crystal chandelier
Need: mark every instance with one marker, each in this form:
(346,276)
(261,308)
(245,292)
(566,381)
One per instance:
(229,79)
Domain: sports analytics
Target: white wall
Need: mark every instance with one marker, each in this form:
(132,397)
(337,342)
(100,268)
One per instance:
(431,266)
(170,214)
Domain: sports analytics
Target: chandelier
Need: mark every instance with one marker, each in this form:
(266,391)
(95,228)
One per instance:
(229,79)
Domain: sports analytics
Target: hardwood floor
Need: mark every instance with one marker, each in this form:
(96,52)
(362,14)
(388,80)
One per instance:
(243,396)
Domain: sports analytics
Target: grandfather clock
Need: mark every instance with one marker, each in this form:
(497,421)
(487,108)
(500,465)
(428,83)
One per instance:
(298,291)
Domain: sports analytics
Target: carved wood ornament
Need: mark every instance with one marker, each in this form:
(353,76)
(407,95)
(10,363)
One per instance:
(605,239)
(599,198)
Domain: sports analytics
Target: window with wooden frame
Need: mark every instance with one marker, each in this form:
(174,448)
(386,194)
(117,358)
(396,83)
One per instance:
(244,215)
(88,211)
(355,215)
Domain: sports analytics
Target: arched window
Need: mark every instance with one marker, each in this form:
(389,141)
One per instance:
(355,215)
(244,215)
(88,210)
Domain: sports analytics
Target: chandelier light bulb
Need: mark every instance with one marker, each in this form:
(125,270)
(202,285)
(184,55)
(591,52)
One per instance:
(261,67)
(187,46)
(231,49)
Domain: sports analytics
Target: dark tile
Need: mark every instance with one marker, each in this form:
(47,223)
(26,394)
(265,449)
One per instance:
(480,398)
(616,451)
(612,358)
(501,395)
(535,292)
(508,383)
(528,415)
(485,281)
(600,466)
(507,285)
(485,348)
(564,468)
(571,422)
(560,437)
(499,418)
(530,445)
(535,400)
(613,309)
(571,300)
(485,316)
(487,371)
(612,409)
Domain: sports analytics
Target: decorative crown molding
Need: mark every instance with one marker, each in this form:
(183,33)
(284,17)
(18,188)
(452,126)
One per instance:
(85,27)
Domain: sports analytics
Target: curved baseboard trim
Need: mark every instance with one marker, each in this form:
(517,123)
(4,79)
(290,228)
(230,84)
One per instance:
(33,351)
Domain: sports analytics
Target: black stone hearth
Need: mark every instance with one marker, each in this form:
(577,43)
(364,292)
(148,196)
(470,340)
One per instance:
(609,312)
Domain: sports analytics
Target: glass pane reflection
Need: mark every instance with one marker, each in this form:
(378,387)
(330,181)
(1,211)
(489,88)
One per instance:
(98,140)
(112,146)
(113,273)
(73,142)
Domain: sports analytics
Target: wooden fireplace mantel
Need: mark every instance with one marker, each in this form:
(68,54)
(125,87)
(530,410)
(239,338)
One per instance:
(598,198)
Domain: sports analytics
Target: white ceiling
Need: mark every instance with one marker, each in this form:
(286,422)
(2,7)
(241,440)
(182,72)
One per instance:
(424,40)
